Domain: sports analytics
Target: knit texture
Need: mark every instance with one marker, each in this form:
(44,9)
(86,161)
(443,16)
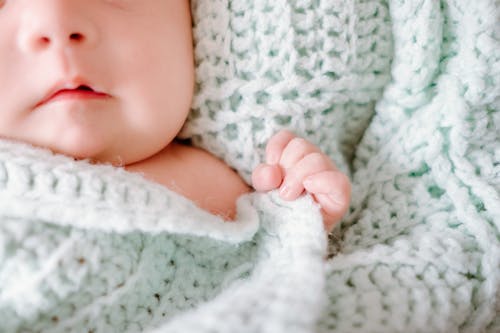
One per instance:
(404,95)
(88,248)
(316,67)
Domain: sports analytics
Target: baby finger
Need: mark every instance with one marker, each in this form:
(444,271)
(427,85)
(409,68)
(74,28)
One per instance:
(276,145)
(266,177)
(295,151)
(329,220)
(332,189)
(311,164)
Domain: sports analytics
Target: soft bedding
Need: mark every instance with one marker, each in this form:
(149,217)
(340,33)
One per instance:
(404,95)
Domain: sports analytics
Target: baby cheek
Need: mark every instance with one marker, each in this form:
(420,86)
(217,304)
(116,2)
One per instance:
(12,121)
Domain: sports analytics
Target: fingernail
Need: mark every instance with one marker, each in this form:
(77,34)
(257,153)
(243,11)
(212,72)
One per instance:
(285,191)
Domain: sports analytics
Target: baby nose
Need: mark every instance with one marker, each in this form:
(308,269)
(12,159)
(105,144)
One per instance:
(55,23)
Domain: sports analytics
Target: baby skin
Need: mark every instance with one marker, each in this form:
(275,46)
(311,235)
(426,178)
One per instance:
(111,81)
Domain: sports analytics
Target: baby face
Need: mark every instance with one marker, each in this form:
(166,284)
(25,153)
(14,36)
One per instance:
(108,80)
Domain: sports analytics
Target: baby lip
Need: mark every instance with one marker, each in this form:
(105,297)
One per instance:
(67,88)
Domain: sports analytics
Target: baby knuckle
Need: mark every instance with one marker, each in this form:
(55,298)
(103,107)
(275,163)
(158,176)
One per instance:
(300,144)
(319,159)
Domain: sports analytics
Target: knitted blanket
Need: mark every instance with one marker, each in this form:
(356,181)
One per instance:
(404,95)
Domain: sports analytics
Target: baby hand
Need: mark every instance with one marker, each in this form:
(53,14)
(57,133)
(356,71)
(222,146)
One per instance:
(295,165)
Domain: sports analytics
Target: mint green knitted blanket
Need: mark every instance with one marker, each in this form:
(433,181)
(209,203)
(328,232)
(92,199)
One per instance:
(403,94)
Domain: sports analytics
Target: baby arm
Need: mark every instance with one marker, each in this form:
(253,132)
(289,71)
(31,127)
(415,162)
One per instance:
(295,165)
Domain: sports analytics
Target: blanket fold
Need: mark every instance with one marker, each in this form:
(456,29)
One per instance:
(76,256)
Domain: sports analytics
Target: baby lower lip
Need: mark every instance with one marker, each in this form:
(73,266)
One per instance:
(74,94)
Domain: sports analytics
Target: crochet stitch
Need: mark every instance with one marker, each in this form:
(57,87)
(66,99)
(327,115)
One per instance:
(316,67)
(403,94)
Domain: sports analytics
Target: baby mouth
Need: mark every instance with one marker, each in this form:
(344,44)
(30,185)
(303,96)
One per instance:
(82,92)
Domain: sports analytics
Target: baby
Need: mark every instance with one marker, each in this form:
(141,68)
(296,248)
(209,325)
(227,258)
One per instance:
(111,81)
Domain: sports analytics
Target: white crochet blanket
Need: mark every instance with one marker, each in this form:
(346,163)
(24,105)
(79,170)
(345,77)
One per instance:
(404,95)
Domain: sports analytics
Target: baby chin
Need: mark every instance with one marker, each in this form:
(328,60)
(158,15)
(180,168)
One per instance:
(77,130)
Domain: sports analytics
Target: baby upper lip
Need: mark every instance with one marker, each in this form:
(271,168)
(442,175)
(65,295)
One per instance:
(71,84)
